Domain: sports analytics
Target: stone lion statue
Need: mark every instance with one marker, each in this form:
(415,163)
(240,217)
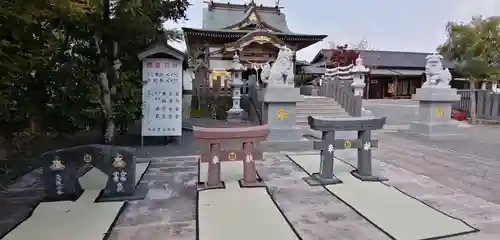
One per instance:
(266,71)
(281,72)
(435,74)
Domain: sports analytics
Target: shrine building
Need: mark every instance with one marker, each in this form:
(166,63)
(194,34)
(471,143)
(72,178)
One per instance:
(393,74)
(252,31)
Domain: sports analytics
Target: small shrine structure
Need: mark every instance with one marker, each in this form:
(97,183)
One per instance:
(253,32)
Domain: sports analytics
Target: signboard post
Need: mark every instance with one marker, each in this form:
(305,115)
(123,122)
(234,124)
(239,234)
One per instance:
(162,79)
(161,97)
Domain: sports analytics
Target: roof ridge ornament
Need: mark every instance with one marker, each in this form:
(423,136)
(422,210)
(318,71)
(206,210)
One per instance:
(252,17)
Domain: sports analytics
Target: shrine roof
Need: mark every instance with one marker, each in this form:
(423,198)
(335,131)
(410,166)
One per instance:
(391,59)
(241,33)
(222,15)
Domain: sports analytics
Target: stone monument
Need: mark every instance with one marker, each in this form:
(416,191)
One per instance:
(435,99)
(116,175)
(235,113)
(280,98)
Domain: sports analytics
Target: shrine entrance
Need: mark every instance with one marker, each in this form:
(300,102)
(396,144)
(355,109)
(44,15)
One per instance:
(255,72)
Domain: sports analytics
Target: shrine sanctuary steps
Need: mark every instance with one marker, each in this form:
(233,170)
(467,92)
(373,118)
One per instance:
(320,107)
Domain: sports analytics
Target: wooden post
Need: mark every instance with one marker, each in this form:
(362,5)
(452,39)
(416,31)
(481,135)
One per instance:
(395,87)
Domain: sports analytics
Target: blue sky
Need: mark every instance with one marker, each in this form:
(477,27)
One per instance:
(404,25)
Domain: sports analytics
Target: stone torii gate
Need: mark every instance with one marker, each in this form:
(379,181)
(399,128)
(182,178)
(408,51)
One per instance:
(231,144)
(328,145)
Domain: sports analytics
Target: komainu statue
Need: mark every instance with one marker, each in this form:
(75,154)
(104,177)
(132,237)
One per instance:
(435,74)
(281,72)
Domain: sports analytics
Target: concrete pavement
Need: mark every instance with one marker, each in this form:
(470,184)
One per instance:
(458,176)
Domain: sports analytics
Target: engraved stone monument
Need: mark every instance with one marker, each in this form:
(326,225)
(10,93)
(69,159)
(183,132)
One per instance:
(280,98)
(112,169)
(60,177)
(435,99)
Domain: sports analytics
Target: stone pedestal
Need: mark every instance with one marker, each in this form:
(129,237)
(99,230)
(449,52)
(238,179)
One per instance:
(314,91)
(434,112)
(279,112)
(236,112)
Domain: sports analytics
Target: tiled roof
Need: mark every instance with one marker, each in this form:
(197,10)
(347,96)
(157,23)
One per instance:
(230,32)
(388,59)
(218,18)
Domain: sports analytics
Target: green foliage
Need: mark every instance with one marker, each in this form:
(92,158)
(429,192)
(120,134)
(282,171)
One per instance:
(52,53)
(303,79)
(475,46)
(204,109)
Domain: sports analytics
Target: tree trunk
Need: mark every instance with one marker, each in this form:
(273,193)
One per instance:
(472,87)
(108,109)
(103,50)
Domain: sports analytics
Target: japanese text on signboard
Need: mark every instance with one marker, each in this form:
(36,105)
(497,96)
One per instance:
(162,97)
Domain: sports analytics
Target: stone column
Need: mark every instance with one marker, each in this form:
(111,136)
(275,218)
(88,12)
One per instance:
(235,113)
(494,87)
(434,103)
(358,72)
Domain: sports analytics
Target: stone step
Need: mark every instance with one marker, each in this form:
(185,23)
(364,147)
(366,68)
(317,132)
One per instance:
(321,114)
(319,110)
(319,107)
(324,110)
(318,99)
(305,115)
(302,121)
(322,105)
(316,102)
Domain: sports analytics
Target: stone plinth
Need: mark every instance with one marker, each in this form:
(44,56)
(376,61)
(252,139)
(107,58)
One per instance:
(279,113)
(434,112)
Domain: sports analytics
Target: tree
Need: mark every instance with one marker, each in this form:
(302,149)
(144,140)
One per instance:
(475,48)
(114,24)
(59,65)
(369,52)
(361,45)
(31,45)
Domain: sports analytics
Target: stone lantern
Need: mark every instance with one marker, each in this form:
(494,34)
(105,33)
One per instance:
(358,76)
(236,83)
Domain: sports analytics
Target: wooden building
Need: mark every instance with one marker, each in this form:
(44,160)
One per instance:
(253,32)
(393,74)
